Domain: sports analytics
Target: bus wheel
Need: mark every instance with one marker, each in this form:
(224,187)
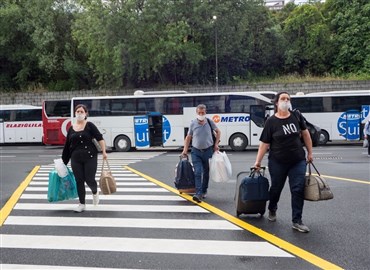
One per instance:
(238,142)
(324,137)
(122,143)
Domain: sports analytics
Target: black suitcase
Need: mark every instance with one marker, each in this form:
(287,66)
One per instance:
(251,192)
(184,176)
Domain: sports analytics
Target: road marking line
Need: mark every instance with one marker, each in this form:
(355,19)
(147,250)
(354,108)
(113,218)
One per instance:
(346,179)
(112,207)
(53,267)
(123,222)
(126,189)
(148,245)
(118,183)
(5,211)
(116,197)
(299,252)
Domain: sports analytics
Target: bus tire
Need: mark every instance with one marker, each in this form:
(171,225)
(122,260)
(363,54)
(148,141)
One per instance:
(238,142)
(324,137)
(122,143)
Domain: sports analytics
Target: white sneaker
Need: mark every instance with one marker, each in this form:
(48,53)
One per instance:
(80,208)
(96,198)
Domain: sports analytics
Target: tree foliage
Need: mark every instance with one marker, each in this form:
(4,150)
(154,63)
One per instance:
(79,44)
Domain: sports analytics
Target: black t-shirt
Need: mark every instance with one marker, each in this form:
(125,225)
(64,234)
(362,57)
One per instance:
(283,135)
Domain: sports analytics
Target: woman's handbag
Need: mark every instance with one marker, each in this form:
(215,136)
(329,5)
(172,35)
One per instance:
(107,182)
(316,188)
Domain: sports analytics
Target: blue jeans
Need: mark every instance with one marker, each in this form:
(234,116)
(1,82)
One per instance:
(200,159)
(296,173)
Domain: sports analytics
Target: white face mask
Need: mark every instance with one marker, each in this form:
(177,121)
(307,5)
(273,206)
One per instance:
(80,116)
(284,105)
(201,117)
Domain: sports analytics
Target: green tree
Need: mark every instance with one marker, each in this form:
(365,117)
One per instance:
(309,45)
(18,65)
(48,22)
(349,22)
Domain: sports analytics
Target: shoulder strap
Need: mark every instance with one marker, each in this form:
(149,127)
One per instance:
(209,123)
(297,115)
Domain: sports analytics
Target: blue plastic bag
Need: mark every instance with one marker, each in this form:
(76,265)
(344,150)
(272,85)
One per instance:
(61,188)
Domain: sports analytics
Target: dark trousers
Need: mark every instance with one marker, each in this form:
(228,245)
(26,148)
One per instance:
(84,169)
(200,160)
(368,144)
(296,173)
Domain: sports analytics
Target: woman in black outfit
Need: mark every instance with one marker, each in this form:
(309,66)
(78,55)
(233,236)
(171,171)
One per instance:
(80,148)
(287,157)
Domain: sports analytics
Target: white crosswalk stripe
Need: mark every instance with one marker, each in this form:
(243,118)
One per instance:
(153,207)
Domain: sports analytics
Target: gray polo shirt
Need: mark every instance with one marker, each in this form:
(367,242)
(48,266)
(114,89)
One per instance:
(201,134)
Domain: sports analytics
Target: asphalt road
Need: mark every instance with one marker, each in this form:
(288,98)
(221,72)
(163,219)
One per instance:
(339,236)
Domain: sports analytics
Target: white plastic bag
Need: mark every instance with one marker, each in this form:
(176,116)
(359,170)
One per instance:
(218,171)
(60,167)
(365,143)
(227,164)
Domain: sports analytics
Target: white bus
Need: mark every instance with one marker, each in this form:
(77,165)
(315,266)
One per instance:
(146,120)
(20,124)
(339,114)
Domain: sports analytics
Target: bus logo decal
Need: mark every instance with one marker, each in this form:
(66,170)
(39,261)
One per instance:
(349,125)
(65,126)
(239,119)
(142,138)
(24,125)
(141,121)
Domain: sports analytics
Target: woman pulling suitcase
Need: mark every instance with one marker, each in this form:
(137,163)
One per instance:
(287,157)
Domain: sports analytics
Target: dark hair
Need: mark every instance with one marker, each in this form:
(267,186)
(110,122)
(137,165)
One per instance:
(83,107)
(277,97)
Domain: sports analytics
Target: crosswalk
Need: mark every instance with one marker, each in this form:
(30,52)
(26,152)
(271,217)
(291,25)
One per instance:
(141,226)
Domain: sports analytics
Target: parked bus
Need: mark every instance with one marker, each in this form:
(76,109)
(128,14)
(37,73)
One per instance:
(146,120)
(339,114)
(56,119)
(20,124)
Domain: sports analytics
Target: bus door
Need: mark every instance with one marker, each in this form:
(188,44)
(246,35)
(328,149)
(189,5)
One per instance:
(148,130)
(258,117)
(2,139)
(350,128)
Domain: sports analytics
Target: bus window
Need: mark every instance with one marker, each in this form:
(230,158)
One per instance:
(240,104)
(215,104)
(5,115)
(129,107)
(172,106)
(145,105)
